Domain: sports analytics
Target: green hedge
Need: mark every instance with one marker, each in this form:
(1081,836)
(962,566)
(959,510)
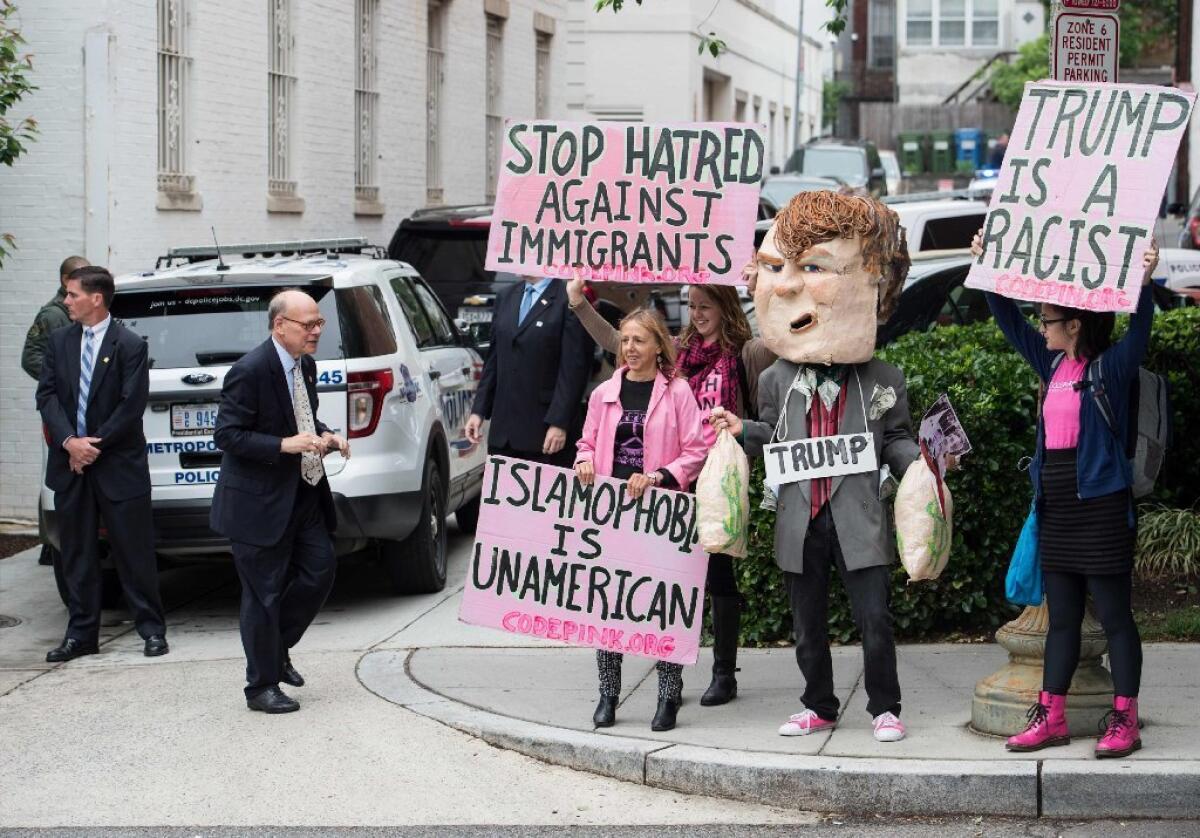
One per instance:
(994,393)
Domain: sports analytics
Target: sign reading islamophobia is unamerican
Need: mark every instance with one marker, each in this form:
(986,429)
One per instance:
(1074,207)
(627,202)
(586,565)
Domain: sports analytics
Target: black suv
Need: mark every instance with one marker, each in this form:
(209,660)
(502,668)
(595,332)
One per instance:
(854,162)
(448,247)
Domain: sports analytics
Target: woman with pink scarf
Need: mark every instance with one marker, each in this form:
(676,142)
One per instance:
(721,362)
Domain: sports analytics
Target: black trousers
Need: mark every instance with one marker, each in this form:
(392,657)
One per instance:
(283,588)
(1066,594)
(720,580)
(130,526)
(868,590)
(563,459)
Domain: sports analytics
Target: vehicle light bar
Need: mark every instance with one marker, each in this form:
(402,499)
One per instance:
(299,246)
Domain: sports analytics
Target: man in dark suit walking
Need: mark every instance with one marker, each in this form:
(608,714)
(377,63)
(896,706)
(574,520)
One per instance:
(535,375)
(92,396)
(272,498)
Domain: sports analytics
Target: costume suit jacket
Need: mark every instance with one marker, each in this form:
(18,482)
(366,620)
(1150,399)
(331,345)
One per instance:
(116,404)
(256,490)
(859,514)
(536,372)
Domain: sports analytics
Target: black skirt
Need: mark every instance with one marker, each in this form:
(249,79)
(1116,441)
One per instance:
(1081,535)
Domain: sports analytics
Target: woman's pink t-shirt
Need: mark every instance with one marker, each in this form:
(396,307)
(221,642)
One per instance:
(1060,413)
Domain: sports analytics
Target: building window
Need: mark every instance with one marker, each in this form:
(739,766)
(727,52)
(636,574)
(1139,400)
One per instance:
(789,134)
(919,23)
(435,55)
(174,93)
(366,101)
(542,98)
(985,23)
(881,24)
(281,89)
(952,23)
(494,126)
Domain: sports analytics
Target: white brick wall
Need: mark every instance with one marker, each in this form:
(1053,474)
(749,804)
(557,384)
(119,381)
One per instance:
(44,194)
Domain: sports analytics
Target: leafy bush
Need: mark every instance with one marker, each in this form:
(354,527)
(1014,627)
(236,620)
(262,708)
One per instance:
(994,393)
(1168,543)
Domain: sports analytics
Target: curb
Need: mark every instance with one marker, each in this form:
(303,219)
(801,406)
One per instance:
(827,784)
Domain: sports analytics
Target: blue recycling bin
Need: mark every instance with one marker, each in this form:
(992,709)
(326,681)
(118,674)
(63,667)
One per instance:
(970,146)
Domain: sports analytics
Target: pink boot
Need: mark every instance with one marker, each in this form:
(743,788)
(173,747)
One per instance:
(1120,725)
(1047,725)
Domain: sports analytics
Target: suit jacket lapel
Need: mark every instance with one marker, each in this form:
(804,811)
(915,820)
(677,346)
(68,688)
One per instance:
(541,304)
(797,428)
(279,385)
(853,419)
(100,363)
(73,346)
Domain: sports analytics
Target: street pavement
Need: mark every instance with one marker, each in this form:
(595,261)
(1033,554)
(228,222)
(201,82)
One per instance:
(119,740)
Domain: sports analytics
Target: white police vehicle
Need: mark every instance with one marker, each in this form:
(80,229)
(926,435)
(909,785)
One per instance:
(395,376)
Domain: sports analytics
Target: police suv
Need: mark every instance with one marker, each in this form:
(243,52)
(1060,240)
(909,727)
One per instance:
(395,376)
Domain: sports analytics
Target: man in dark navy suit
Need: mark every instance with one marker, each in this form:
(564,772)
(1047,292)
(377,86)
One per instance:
(272,498)
(535,375)
(92,395)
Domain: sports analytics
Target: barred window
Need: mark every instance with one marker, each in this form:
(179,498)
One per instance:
(494,121)
(281,90)
(435,55)
(174,94)
(542,96)
(366,100)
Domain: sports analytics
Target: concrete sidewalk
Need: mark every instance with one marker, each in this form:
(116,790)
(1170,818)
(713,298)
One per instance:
(539,701)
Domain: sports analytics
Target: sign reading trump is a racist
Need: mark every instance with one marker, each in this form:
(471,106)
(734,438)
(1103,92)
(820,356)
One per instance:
(627,202)
(586,565)
(1073,211)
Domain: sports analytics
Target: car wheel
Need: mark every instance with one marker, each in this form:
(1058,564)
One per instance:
(468,516)
(417,564)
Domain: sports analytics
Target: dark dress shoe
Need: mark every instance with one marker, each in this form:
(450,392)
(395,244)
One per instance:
(71,649)
(290,675)
(273,700)
(664,717)
(606,712)
(722,690)
(156,645)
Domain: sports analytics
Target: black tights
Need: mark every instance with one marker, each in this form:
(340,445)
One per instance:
(721,580)
(1111,595)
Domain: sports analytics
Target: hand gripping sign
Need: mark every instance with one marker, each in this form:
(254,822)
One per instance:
(627,202)
(586,565)
(1074,207)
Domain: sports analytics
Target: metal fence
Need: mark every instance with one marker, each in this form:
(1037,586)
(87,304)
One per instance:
(281,81)
(366,100)
(174,89)
(883,122)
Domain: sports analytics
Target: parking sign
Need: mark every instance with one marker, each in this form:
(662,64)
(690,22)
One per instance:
(1085,47)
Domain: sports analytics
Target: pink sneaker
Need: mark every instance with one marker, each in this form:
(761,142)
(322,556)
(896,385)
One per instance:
(1047,725)
(1120,729)
(802,724)
(888,728)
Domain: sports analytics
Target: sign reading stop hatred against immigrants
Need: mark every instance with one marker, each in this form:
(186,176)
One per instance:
(586,565)
(1074,207)
(627,202)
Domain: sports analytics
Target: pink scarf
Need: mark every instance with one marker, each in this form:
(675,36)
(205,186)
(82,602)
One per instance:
(712,373)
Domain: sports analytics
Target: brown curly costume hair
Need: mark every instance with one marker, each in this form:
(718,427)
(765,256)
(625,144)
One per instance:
(814,217)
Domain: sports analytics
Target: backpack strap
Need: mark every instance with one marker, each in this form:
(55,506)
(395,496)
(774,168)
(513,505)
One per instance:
(1095,377)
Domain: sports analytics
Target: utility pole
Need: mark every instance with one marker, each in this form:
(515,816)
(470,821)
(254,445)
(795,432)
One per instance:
(799,80)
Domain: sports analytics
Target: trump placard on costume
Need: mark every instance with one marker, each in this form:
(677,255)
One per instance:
(586,565)
(627,202)
(1082,182)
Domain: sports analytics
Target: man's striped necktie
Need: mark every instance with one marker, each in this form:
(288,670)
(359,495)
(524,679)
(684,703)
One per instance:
(85,381)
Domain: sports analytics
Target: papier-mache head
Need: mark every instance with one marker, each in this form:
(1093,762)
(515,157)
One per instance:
(830,271)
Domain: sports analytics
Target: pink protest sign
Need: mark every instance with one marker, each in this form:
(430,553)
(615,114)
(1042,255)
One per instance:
(1082,182)
(586,565)
(628,202)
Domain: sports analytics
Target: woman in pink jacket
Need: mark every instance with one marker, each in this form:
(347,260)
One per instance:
(643,425)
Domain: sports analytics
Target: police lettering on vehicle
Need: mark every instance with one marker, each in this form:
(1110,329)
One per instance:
(208,475)
(189,446)
(456,406)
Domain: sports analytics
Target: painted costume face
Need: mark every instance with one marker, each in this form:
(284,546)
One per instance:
(829,271)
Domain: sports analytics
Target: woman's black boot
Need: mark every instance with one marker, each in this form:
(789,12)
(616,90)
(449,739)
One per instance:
(606,712)
(664,716)
(726,623)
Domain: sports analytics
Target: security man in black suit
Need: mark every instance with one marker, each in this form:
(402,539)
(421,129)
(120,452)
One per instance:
(272,498)
(92,396)
(535,375)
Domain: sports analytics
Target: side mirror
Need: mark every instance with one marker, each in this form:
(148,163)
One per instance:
(878,172)
(774,170)
(1177,208)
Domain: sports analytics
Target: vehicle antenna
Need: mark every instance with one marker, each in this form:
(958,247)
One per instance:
(221,266)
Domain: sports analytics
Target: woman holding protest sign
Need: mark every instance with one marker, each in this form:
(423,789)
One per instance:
(1082,482)
(721,363)
(643,425)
